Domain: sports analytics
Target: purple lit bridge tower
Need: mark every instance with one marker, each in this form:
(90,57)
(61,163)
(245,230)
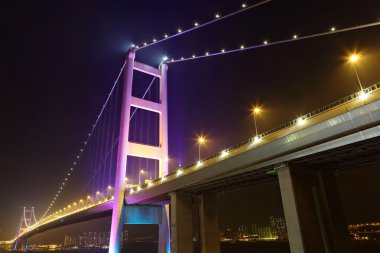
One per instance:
(140,214)
(28,218)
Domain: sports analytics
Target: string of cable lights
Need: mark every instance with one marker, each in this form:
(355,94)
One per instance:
(266,43)
(197,25)
(77,157)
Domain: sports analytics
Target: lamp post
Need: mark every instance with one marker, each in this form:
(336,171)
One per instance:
(201,140)
(255,111)
(353,59)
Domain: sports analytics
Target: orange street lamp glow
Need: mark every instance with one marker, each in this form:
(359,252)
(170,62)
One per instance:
(353,58)
(255,110)
(201,140)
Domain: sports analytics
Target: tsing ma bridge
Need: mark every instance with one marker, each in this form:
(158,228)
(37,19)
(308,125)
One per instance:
(303,155)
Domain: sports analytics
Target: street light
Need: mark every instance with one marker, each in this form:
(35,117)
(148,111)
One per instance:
(201,140)
(353,59)
(255,111)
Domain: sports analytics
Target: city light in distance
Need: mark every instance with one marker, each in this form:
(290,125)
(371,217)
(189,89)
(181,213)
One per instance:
(333,29)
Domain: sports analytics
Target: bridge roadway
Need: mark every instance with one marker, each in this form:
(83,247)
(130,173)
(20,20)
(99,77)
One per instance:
(342,135)
(316,136)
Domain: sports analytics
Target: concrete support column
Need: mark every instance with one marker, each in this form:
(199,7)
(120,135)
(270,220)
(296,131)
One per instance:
(299,209)
(209,225)
(332,213)
(181,223)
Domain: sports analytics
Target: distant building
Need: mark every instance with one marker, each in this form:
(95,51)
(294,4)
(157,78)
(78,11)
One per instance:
(278,227)
(91,239)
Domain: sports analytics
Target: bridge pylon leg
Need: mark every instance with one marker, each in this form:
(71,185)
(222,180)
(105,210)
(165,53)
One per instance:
(121,163)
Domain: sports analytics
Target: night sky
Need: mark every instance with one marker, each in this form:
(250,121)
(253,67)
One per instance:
(59,61)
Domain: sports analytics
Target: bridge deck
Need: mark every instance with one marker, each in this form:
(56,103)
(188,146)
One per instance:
(342,123)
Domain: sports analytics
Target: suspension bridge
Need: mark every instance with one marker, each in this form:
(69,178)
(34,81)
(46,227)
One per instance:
(122,168)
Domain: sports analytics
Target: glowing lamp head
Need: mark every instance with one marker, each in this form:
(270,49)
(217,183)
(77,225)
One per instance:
(224,153)
(244,5)
(142,171)
(333,29)
(165,58)
(363,95)
(179,171)
(256,110)
(301,121)
(201,140)
(257,139)
(354,58)
(109,187)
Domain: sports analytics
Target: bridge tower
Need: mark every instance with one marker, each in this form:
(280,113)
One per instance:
(121,213)
(28,218)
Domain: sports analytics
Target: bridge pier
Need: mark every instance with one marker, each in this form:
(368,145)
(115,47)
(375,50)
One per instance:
(314,218)
(181,222)
(192,214)
(150,214)
(208,223)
